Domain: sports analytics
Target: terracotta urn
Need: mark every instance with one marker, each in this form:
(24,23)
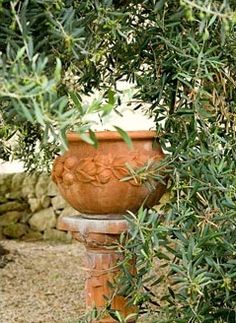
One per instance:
(91,179)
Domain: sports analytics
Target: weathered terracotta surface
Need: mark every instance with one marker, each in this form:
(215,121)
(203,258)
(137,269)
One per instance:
(101,262)
(103,269)
(90,179)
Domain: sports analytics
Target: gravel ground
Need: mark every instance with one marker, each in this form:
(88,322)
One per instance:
(41,282)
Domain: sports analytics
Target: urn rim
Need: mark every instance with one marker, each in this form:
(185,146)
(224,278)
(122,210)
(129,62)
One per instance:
(114,135)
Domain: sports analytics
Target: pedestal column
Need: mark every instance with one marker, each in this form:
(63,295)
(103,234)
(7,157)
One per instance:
(100,238)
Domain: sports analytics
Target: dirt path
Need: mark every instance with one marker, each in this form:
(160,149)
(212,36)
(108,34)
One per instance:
(41,283)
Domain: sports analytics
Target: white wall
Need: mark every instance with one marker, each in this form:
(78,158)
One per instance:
(11,167)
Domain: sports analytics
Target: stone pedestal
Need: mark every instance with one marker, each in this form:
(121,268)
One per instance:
(100,237)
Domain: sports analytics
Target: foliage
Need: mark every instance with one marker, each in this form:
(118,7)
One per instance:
(48,55)
(188,61)
(182,57)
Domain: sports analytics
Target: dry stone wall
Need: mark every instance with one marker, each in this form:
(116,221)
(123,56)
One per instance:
(30,206)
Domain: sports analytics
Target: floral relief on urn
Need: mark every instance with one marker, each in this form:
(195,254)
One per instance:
(91,179)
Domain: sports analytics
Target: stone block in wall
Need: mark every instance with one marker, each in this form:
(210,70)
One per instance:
(3,199)
(69,211)
(5,183)
(58,203)
(42,220)
(28,186)
(25,217)
(34,204)
(32,235)
(13,206)
(10,218)
(16,186)
(56,235)
(45,201)
(37,204)
(11,196)
(41,188)
(52,189)
(15,231)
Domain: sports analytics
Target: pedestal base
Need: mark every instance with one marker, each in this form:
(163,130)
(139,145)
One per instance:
(100,238)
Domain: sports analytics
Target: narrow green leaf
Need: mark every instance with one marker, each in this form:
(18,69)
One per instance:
(26,112)
(62,103)
(57,72)
(76,99)
(38,114)
(94,138)
(125,136)
(111,97)
(107,108)
(20,53)
(63,140)
(86,138)
(30,48)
